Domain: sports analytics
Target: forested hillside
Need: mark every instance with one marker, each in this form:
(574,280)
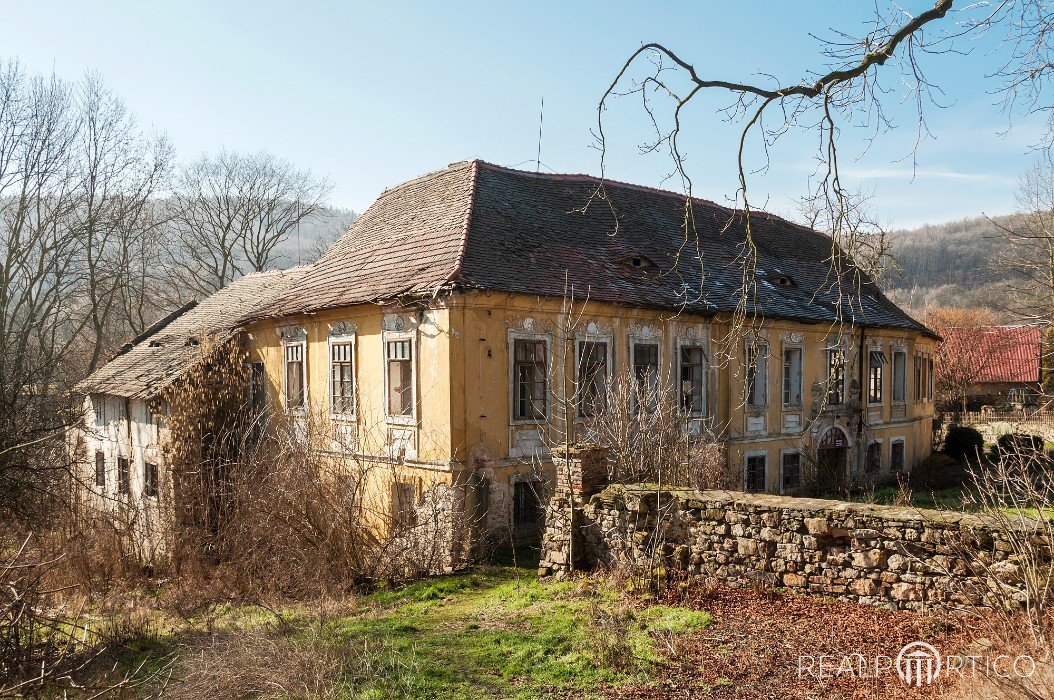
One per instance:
(951,264)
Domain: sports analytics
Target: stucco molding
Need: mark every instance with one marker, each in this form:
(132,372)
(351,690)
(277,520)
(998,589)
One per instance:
(644,331)
(292,332)
(793,338)
(342,328)
(530,324)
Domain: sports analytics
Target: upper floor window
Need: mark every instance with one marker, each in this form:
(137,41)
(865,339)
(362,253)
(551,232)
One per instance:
(124,475)
(917,378)
(792,376)
(875,375)
(693,380)
(100,469)
(592,377)
(342,377)
(757,374)
(929,378)
(257,386)
(835,376)
(150,480)
(646,375)
(295,380)
(900,368)
(400,377)
(98,404)
(529,386)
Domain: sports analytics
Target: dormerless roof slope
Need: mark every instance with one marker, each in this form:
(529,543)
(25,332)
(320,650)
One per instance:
(162,353)
(475,225)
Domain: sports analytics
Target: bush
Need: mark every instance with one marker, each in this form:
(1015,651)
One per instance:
(1020,444)
(938,471)
(963,443)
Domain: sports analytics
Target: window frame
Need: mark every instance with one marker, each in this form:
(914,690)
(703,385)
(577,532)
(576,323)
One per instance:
(800,349)
(393,337)
(545,338)
(124,475)
(902,376)
(750,380)
(535,485)
(100,470)
(917,377)
(831,387)
(608,341)
(634,343)
(690,344)
(881,376)
(150,484)
(868,467)
(930,380)
(903,454)
(754,454)
(350,340)
(783,478)
(300,341)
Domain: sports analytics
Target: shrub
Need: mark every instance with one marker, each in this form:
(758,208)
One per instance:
(1020,444)
(963,443)
(938,471)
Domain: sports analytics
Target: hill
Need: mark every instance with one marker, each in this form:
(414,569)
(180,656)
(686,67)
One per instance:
(950,264)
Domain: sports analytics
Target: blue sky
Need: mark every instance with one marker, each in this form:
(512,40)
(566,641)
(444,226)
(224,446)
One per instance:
(372,94)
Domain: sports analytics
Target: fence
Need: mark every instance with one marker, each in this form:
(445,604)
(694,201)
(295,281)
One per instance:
(1041,417)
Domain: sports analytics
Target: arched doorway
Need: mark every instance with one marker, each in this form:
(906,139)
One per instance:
(832,459)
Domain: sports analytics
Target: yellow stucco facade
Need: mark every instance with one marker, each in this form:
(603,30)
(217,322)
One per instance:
(459,427)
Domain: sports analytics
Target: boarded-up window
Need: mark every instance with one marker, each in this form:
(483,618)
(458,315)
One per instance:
(755,477)
(874,457)
(342,377)
(100,469)
(150,480)
(295,395)
(123,475)
(592,377)
(257,386)
(900,369)
(529,372)
(693,380)
(404,505)
(400,377)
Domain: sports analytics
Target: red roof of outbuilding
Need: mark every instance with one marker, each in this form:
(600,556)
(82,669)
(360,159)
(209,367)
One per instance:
(1012,353)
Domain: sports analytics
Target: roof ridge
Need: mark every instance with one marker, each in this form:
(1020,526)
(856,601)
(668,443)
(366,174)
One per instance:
(420,178)
(459,259)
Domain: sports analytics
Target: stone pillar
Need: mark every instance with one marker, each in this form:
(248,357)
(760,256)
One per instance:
(581,471)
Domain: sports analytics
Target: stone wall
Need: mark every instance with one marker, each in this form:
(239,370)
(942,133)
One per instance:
(877,555)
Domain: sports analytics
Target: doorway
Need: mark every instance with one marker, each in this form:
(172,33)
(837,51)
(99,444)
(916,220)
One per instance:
(832,460)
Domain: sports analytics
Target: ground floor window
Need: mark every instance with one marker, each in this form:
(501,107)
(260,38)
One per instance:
(896,456)
(874,457)
(526,503)
(404,505)
(756,469)
(791,471)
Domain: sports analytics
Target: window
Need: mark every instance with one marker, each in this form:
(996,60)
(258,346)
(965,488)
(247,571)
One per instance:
(257,386)
(123,475)
(693,380)
(98,404)
(592,377)
(526,504)
(150,480)
(754,479)
(929,379)
(529,383)
(757,374)
(400,377)
(900,361)
(646,374)
(342,377)
(295,391)
(792,376)
(918,378)
(100,469)
(896,456)
(790,471)
(875,375)
(404,505)
(874,457)
(835,376)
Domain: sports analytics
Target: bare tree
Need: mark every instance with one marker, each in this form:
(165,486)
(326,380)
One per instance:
(961,357)
(233,211)
(1028,254)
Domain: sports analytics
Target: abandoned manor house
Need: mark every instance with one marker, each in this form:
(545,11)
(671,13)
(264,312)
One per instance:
(469,315)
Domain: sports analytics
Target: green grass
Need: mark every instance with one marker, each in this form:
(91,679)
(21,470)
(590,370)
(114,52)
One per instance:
(495,632)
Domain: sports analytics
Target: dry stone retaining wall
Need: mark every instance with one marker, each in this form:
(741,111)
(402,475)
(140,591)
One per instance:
(878,555)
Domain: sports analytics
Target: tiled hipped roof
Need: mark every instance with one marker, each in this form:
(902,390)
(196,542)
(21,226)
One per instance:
(1009,353)
(479,226)
(163,352)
